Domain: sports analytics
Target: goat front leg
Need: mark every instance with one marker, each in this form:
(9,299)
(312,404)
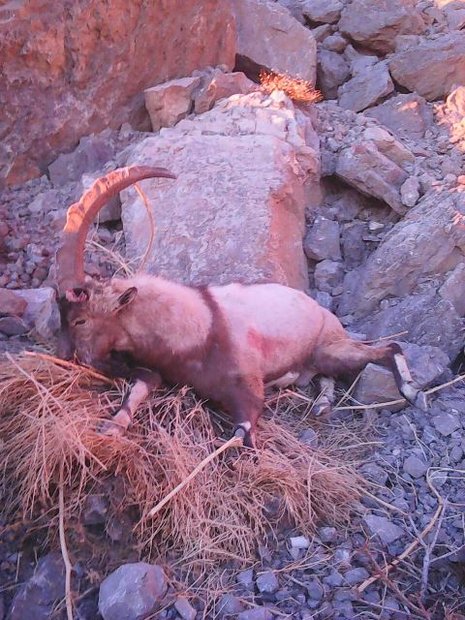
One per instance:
(145,382)
(325,400)
(404,381)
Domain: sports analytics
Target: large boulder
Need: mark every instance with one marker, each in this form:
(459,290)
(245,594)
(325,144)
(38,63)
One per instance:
(376,23)
(236,209)
(407,116)
(366,88)
(54,90)
(431,67)
(269,37)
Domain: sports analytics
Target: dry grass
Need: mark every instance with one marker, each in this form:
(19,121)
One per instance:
(48,418)
(295,88)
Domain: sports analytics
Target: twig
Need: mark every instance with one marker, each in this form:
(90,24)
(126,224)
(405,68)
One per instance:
(231,443)
(64,549)
(413,545)
(383,503)
(429,548)
(67,364)
(444,385)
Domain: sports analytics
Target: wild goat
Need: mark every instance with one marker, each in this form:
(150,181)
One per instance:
(227,342)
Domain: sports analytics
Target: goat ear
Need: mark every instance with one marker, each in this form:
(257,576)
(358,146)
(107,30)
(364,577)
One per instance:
(77,295)
(126,298)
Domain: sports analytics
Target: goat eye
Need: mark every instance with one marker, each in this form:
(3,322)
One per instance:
(79,322)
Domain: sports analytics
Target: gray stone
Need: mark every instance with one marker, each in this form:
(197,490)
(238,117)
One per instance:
(95,510)
(407,116)
(219,86)
(268,36)
(377,23)
(334,579)
(387,144)
(420,67)
(36,599)
(332,71)
(246,578)
(132,592)
(327,534)
(184,608)
(366,88)
(354,248)
(410,191)
(322,11)
(171,101)
(13,326)
(11,303)
(267,583)
(92,154)
(230,605)
(41,314)
(237,208)
(309,437)
(364,167)
(453,288)
(322,240)
(328,275)
(415,466)
(258,613)
(382,527)
(446,423)
(315,589)
(374,473)
(335,43)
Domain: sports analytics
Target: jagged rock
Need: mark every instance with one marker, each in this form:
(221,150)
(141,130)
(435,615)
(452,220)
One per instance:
(138,47)
(410,192)
(322,11)
(421,67)
(11,303)
(377,385)
(382,527)
(366,88)
(322,240)
(407,116)
(171,101)
(377,23)
(335,43)
(387,145)
(268,36)
(446,423)
(451,115)
(12,326)
(364,167)
(354,576)
(455,14)
(333,70)
(41,313)
(415,467)
(328,275)
(240,188)
(132,592)
(453,288)
(36,599)
(92,153)
(184,608)
(229,605)
(258,613)
(221,86)
(355,250)
(267,582)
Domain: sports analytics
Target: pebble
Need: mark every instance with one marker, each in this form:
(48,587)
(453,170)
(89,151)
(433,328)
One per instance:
(267,583)
(415,466)
(387,531)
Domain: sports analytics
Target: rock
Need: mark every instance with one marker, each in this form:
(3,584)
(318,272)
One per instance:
(322,11)
(55,89)
(236,209)
(415,467)
(382,527)
(269,37)
(246,578)
(230,605)
(421,245)
(328,275)
(410,191)
(366,88)
(376,23)
(36,599)
(41,312)
(453,288)
(364,167)
(221,86)
(386,143)
(132,592)
(334,579)
(267,583)
(354,249)
(355,576)
(420,68)
(299,542)
(455,17)
(315,589)
(407,116)
(184,608)
(327,534)
(13,326)
(332,71)
(334,43)
(259,613)
(171,101)
(451,115)
(44,202)
(95,510)
(446,423)
(11,303)
(92,153)
(322,240)
(309,438)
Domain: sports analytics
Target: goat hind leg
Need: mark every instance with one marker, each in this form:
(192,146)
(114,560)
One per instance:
(325,401)
(404,380)
(246,405)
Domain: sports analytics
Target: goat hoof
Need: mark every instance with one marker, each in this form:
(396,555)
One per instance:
(246,436)
(322,408)
(421,401)
(116,426)
(415,397)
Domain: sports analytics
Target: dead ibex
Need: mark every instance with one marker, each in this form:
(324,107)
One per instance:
(228,342)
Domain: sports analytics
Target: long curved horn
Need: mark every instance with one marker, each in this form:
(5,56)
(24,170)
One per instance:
(80,215)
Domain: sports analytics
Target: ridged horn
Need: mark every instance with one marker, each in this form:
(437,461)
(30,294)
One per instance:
(81,214)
